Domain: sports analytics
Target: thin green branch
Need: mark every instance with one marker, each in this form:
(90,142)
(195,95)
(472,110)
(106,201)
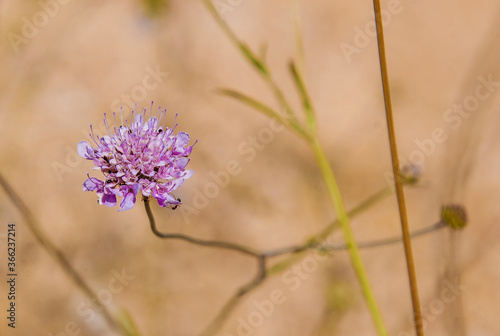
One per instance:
(254,60)
(336,198)
(324,233)
(325,168)
(245,50)
(261,257)
(54,252)
(419,327)
(266,110)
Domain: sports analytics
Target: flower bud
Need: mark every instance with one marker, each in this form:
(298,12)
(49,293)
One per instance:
(454,215)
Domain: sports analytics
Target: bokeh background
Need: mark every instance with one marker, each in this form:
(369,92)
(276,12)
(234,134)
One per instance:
(83,58)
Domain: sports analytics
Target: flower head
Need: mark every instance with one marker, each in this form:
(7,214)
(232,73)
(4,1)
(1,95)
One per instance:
(138,156)
(454,215)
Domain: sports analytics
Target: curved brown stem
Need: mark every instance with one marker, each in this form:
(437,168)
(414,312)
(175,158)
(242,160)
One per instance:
(226,310)
(189,239)
(262,257)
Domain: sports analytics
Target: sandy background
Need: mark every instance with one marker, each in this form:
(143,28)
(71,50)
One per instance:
(82,60)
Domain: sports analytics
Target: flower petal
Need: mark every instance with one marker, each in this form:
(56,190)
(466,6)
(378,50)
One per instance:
(85,150)
(92,184)
(174,184)
(182,139)
(109,200)
(188,173)
(127,202)
(165,199)
(181,162)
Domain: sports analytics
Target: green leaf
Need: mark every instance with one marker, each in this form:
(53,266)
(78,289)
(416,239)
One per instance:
(257,63)
(266,110)
(261,107)
(306,102)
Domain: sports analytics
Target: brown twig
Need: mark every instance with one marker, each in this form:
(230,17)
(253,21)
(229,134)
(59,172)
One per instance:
(262,257)
(396,170)
(189,239)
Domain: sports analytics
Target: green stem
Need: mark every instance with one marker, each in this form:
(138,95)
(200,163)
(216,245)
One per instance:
(316,240)
(254,60)
(336,197)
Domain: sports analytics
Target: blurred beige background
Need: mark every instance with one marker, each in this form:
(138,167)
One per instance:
(83,60)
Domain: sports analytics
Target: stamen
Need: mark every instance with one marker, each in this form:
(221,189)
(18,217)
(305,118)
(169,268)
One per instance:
(106,124)
(164,113)
(175,119)
(92,134)
(151,108)
(158,114)
(133,111)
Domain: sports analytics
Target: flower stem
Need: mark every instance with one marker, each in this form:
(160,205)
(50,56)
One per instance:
(336,197)
(209,243)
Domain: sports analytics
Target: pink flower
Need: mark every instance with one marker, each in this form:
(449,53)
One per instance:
(141,156)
